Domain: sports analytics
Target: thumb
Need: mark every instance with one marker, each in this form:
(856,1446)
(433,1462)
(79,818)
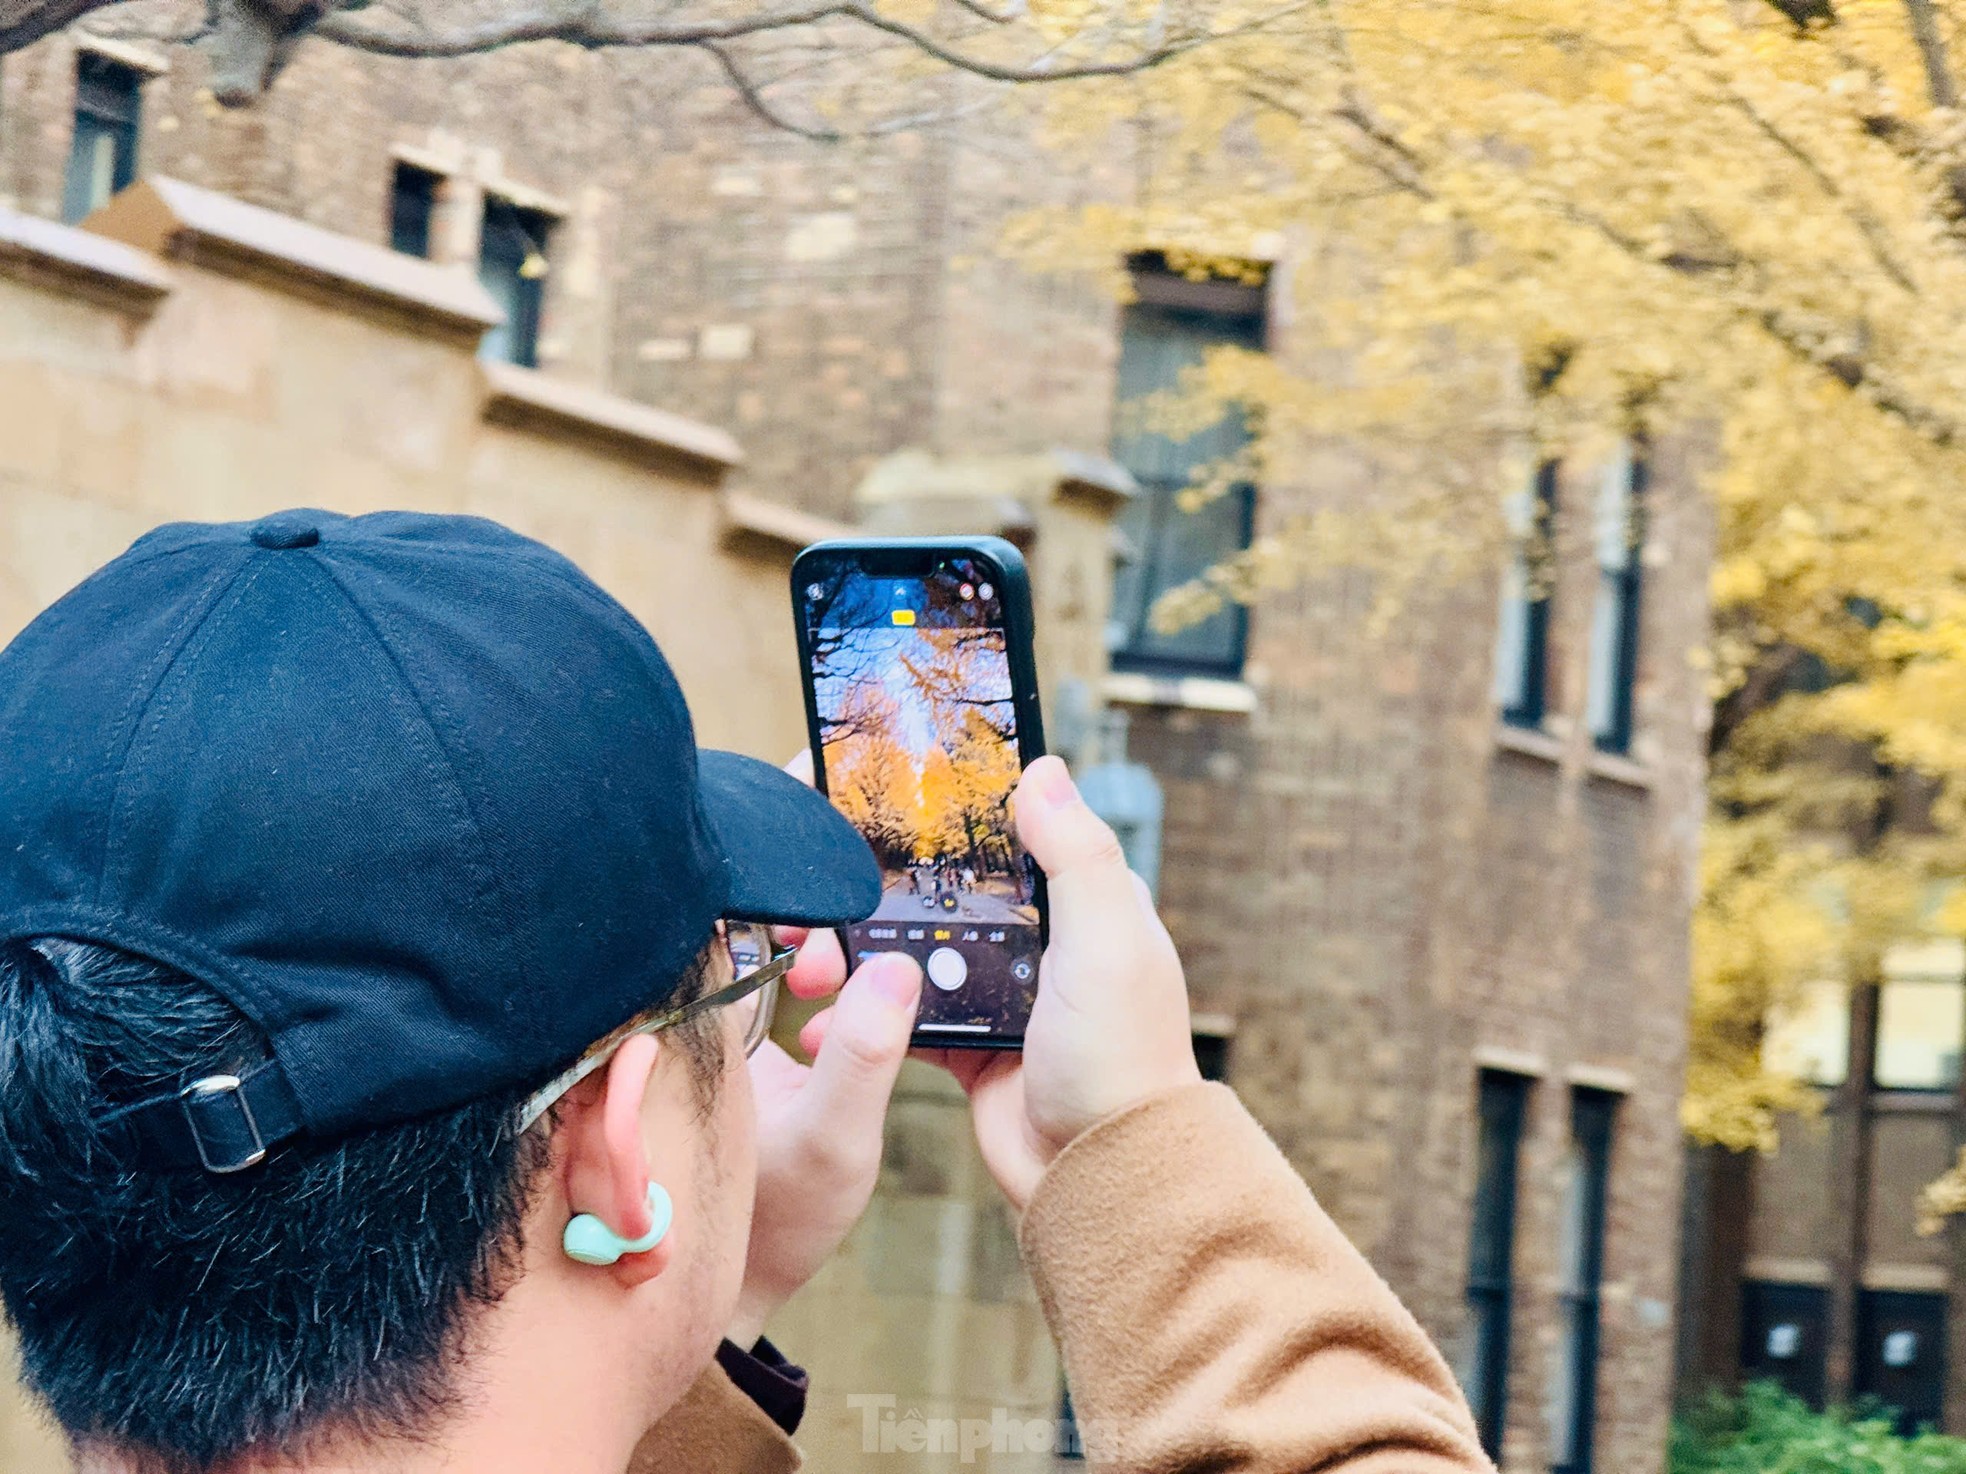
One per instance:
(864,1044)
(1085,868)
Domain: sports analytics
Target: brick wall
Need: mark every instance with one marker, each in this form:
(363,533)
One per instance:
(1383,889)
(1364,876)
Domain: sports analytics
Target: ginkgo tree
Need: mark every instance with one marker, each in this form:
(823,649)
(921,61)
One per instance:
(1537,227)
(1543,225)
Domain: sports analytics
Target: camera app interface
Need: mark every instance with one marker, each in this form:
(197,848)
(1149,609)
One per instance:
(918,736)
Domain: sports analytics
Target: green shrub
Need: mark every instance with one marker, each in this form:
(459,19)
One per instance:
(1766,1431)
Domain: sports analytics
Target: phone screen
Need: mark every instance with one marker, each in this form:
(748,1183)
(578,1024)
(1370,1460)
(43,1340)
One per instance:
(917,732)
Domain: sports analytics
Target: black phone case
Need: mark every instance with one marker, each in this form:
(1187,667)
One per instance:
(908,555)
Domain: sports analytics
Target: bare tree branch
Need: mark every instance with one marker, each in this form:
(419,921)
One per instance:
(753,98)
(1866,223)
(585,25)
(1381,150)
(590,27)
(994,17)
(23,22)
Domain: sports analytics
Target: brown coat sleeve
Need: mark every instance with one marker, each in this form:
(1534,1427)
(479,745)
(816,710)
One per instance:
(714,1427)
(1212,1316)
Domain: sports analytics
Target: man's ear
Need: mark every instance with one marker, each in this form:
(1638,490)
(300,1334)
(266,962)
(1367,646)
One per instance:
(607,1171)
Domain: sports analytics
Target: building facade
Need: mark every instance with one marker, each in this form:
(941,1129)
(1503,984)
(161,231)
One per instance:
(1431,885)
(1807,1266)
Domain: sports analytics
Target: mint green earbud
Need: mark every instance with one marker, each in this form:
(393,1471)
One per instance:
(587,1240)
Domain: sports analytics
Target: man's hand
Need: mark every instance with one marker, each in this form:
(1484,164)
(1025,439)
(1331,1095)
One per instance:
(820,1125)
(1110,1027)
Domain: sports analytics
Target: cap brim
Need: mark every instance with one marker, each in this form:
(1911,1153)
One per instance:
(789,856)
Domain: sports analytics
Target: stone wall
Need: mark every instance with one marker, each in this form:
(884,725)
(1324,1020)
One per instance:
(134,392)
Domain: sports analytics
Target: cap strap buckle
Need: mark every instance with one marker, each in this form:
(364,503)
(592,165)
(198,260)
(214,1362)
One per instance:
(222,1124)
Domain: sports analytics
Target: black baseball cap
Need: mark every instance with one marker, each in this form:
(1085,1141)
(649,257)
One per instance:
(410,791)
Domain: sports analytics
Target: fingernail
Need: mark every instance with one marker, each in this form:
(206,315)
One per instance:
(896,979)
(1055,786)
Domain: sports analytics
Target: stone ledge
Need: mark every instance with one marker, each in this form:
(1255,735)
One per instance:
(1104,480)
(1529,742)
(1615,767)
(1191,693)
(1927,1278)
(1786,1270)
(1886,1101)
(138,56)
(912,491)
(1602,1077)
(755,518)
(1510,1061)
(529,399)
(83,265)
(170,218)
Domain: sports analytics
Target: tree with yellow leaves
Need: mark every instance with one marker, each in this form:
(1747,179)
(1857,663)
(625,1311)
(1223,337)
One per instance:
(1532,228)
(870,776)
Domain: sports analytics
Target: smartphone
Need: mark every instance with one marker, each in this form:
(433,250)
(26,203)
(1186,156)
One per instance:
(922,708)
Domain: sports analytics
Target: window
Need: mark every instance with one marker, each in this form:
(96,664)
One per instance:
(1573,1411)
(1504,1100)
(512,265)
(102,157)
(1211,1054)
(1784,1330)
(1921,1015)
(1901,1354)
(1615,619)
(1523,634)
(1810,1037)
(1171,329)
(412,207)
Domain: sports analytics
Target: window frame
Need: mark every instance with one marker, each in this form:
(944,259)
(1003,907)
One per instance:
(108,103)
(1533,562)
(428,194)
(1625,587)
(1768,1303)
(1881,1311)
(1950,979)
(1126,656)
(1580,1297)
(1240,315)
(523,327)
(1502,1099)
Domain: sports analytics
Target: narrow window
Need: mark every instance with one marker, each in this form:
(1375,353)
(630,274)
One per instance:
(412,208)
(1901,1355)
(102,154)
(1504,1100)
(512,265)
(1921,1016)
(1528,588)
(1573,1422)
(1169,330)
(1809,1037)
(1784,1329)
(1615,619)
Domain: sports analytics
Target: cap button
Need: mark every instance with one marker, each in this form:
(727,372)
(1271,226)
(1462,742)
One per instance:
(286,530)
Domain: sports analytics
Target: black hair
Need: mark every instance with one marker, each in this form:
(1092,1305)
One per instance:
(183,1318)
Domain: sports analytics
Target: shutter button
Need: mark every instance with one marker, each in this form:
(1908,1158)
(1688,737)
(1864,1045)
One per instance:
(286,530)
